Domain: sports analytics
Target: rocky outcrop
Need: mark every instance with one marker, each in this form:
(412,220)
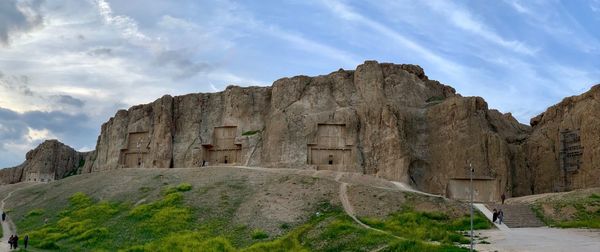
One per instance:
(395,123)
(576,115)
(386,120)
(49,161)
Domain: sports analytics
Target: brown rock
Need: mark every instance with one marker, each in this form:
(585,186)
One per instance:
(51,160)
(579,115)
(386,120)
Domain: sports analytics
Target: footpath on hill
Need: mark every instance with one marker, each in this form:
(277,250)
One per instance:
(8,227)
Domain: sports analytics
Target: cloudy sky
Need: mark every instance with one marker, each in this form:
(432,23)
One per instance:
(66,66)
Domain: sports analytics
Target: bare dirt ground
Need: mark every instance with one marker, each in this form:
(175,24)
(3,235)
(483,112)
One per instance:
(266,198)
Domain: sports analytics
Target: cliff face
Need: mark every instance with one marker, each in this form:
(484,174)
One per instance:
(49,161)
(573,127)
(386,120)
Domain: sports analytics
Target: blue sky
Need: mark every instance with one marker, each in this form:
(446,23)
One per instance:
(66,66)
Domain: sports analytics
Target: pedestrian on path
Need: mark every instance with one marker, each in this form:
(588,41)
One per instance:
(16,241)
(25,241)
(3,216)
(495,215)
(11,240)
(500,216)
(503,197)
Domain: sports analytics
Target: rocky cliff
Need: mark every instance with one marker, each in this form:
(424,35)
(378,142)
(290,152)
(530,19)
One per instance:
(563,150)
(49,161)
(386,120)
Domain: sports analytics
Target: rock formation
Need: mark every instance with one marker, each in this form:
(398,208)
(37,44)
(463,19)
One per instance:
(567,133)
(386,120)
(49,161)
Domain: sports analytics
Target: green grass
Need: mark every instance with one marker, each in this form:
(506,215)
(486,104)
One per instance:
(435,99)
(428,226)
(258,234)
(587,213)
(170,224)
(250,132)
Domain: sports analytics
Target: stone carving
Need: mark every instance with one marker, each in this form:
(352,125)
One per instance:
(332,149)
(225,149)
(136,152)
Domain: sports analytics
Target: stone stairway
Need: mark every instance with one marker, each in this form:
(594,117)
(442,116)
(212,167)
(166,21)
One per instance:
(517,215)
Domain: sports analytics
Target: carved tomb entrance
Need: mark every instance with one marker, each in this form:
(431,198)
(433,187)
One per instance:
(224,149)
(484,189)
(136,151)
(330,149)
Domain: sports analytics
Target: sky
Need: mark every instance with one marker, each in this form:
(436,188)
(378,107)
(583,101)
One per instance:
(67,66)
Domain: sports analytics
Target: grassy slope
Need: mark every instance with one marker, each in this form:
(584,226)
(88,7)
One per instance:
(164,214)
(577,212)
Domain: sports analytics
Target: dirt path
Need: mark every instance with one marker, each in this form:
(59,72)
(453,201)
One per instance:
(349,209)
(8,227)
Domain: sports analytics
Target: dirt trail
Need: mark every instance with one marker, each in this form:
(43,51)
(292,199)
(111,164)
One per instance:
(8,227)
(348,207)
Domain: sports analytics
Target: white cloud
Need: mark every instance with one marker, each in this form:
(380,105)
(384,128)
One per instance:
(445,65)
(595,5)
(126,25)
(518,6)
(37,135)
(465,20)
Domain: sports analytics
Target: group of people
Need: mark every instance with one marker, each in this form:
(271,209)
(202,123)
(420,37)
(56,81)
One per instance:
(498,215)
(14,241)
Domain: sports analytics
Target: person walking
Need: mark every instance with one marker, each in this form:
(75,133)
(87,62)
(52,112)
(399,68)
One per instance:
(16,241)
(495,215)
(3,216)
(25,241)
(500,216)
(503,197)
(11,240)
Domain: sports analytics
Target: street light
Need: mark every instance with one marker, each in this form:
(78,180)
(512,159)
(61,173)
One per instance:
(471,177)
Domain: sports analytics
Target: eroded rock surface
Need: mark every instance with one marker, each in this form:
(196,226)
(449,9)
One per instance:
(386,120)
(49,161)
(391,121)
(579,115)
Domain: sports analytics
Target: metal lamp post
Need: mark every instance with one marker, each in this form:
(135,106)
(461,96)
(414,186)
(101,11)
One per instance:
(471,178)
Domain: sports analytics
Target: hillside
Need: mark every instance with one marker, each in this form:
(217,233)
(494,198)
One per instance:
(574,209)
(231,208)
